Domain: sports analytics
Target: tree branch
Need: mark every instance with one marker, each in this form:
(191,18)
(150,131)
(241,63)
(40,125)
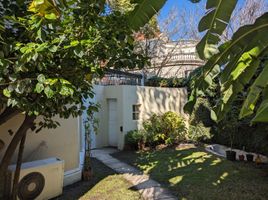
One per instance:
(27,124)
(18,168)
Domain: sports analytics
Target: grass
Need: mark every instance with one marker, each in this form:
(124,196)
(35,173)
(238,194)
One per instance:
(105,184)
(194,174)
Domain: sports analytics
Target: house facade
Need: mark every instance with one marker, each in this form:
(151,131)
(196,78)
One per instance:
(63,143)
(170,58)
(124,107)
(124,104)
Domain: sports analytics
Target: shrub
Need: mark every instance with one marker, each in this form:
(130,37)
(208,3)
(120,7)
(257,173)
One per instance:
(165,82)
(198,133)
(174,127)
(200,122)
(134,139)
(152,128)
(254,138)
(169,128)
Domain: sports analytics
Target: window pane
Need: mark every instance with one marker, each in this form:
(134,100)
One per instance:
(136,108)
(136,116)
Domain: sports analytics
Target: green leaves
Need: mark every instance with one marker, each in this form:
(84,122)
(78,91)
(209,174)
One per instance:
(49,92)
(44,8)
(262,112)
(214,22)
(7,92)
(53,86)
(255,91)
(66,90)
(74,43)
(49,56)
(143,12)
(51,16)
(39,87)
(41,78)
(239,59)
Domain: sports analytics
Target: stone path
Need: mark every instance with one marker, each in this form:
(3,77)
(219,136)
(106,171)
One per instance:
(150,189)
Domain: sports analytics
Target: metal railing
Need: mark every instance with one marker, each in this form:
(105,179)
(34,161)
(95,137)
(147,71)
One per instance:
(116,77)
(178,58)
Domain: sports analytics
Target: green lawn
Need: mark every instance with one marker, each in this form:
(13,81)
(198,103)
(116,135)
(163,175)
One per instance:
(194,174)
(105,184)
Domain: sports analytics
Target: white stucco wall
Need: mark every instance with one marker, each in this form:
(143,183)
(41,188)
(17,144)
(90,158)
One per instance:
(151,99)
(63,142)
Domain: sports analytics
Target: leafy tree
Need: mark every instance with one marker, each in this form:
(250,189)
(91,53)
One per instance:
(234,62)
(49,53)
(150,28)
(121,5)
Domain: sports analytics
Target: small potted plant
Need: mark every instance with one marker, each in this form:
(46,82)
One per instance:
(258,160)
(231,129)
(231,155)
(91,123)
(249,157)
(241,157)
(87,169)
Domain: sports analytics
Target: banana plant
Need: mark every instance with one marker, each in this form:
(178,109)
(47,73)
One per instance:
(214,22)
(235,62)
(144,10)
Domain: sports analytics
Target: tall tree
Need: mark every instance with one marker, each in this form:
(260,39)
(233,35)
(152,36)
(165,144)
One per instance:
(49,53)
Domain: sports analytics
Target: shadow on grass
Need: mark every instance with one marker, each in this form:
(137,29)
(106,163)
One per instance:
(105,184)
(77,190)
(196,174)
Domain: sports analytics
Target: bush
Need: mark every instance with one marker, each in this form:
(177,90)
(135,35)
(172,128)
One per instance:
(169,128)
(200,122)
(134,139)
(166,82)
(252,138)
(198,133)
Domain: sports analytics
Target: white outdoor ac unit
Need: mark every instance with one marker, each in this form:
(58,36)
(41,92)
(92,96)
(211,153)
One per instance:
(39,180)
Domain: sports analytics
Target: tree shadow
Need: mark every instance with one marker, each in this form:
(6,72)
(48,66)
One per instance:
(79,189)
(195,174)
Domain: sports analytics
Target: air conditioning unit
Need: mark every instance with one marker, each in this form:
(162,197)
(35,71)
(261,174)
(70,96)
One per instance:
(39,180)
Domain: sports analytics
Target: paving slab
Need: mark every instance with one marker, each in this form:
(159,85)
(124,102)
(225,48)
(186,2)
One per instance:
(150,189)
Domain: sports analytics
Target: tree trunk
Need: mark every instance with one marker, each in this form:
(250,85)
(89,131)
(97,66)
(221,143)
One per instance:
(27,124)
(7,114)
(18,167)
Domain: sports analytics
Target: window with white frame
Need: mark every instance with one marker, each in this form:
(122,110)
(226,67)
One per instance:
(136,111)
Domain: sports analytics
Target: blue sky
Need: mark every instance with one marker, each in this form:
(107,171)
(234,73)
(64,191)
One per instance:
(194,10)
(178,3)
(185,4)
(181,6)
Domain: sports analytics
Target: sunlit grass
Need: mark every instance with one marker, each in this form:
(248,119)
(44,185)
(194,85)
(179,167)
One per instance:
(113,187)
(105,184)
(175,180)
(192,173)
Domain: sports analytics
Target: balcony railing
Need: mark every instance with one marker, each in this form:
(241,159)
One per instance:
(116,77)
(178,59)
